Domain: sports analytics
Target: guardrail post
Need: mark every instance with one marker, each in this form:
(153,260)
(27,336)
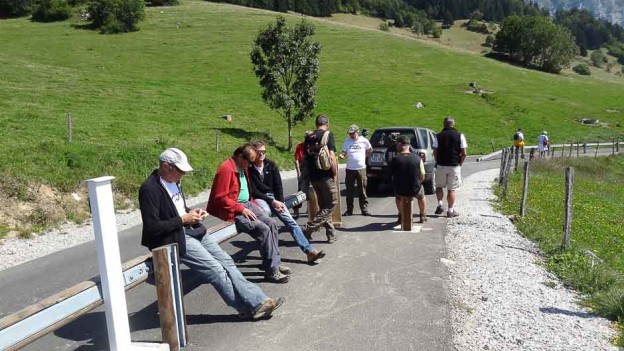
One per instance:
(567,216)
(525,190)
(109,262)
(170,296)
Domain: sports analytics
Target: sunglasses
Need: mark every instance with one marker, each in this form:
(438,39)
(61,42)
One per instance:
(262,152)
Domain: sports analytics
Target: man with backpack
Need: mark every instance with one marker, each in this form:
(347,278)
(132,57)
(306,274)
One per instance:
(519,142)
(320,151)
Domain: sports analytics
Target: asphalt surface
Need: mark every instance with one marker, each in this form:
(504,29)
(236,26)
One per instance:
(377,289)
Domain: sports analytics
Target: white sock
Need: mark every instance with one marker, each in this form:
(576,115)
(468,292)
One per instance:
(451,210)
(440,203)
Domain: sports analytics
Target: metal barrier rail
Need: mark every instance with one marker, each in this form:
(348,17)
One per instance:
(27,325)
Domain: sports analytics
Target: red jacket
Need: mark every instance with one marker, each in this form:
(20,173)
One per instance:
(223,200)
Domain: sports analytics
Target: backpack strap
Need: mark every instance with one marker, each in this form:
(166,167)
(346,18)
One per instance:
(324,138)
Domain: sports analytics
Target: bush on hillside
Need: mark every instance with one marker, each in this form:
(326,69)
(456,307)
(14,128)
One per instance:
(162,2)
(597,58)
(14,8)
(478,27)
(436,32)
(384,26)
(489,41)
(117,16)
(51,11)
(582,69)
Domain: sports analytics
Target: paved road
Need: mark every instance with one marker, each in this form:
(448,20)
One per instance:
(376,290)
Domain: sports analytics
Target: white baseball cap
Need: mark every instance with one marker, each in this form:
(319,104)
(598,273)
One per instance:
(177,158)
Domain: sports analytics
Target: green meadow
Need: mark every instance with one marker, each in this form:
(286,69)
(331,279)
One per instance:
(133,95)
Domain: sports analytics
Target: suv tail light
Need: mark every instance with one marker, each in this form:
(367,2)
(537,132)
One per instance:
(423,157)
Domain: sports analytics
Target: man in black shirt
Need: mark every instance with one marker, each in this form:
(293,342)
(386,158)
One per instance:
(408,172)
(449,150)
(322,181)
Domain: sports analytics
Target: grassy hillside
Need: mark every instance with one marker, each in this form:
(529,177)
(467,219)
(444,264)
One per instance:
(132,95)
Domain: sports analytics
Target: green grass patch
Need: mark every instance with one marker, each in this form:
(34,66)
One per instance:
(593,264)
(133,95)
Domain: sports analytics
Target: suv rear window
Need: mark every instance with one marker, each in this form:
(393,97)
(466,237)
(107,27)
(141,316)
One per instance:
(383,138)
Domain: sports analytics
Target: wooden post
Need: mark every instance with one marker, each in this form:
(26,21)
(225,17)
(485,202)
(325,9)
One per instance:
(525,190)
(70,127)
(613,149)
(584,148)
(562,149)
(502,166)
(571,148)
(577,149)
(552,152)
(516,158)
(506,177)
(567,215)
(596,154)
(532,154)
(617,145)
(492,142)
(171,314)
(217,140)
(406,215)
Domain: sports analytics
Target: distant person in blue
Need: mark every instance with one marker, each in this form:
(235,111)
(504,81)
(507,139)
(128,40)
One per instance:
(167,220)
(267,190)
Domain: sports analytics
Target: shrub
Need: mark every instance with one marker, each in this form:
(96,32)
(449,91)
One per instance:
(163,2)
(51,11)
(117,16)
(489,40)
(476,26)
(583,51)
(582,69)
(597,58)
(436,32)
(384,26)
(14,8)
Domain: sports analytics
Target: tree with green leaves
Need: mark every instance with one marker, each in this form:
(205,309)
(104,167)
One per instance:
(286,63)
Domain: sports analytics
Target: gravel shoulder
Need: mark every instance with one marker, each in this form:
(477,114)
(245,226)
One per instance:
(500,294)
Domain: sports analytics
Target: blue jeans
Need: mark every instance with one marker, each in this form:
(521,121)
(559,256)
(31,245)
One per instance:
(205,256)
(293,227)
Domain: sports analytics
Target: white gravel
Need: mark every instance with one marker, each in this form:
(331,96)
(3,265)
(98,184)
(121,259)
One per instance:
(496,285)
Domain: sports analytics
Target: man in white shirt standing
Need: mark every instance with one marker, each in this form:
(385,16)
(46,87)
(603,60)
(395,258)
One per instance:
(355,148)
(542,144)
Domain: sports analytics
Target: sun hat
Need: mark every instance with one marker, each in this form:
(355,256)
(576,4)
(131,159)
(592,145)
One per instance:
(176,157)
(353,129)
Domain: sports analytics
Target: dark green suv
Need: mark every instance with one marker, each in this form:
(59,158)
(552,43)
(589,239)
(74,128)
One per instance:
(383,142)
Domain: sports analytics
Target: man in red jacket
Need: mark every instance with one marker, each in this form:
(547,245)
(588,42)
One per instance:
(230,200)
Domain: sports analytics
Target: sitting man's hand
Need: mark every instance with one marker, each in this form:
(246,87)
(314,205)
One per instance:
(247,213)
(279,206)
(191,218)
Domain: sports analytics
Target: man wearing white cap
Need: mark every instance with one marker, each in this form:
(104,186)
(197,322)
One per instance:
(167,220)
(355,148)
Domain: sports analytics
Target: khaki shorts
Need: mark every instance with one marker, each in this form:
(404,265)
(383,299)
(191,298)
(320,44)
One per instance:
(448,177)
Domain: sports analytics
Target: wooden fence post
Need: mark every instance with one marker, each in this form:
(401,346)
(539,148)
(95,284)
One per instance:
(506,176)
(525,190)
(532,154)
(562,149)
(577,149)
(617,145)
(516,156)
(597,145)
(571,148)
(584,148)
(407,214)
(492,142)
(502,165)
(567,215)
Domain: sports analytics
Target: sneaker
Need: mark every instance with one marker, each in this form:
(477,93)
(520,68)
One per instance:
(267,308)
(277,277)
(423,218)
(397,227)
(452,214)
(439,210)
(285,270)
(331,238)
(365,213)
(315,255)
(348,213)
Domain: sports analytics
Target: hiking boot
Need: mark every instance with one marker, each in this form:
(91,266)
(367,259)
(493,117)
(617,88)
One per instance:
(423,218)
(277,277)
(348,213)
(315,255)
(439,210)
(267,307)
(452,214)
(365,213)
(331,238)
